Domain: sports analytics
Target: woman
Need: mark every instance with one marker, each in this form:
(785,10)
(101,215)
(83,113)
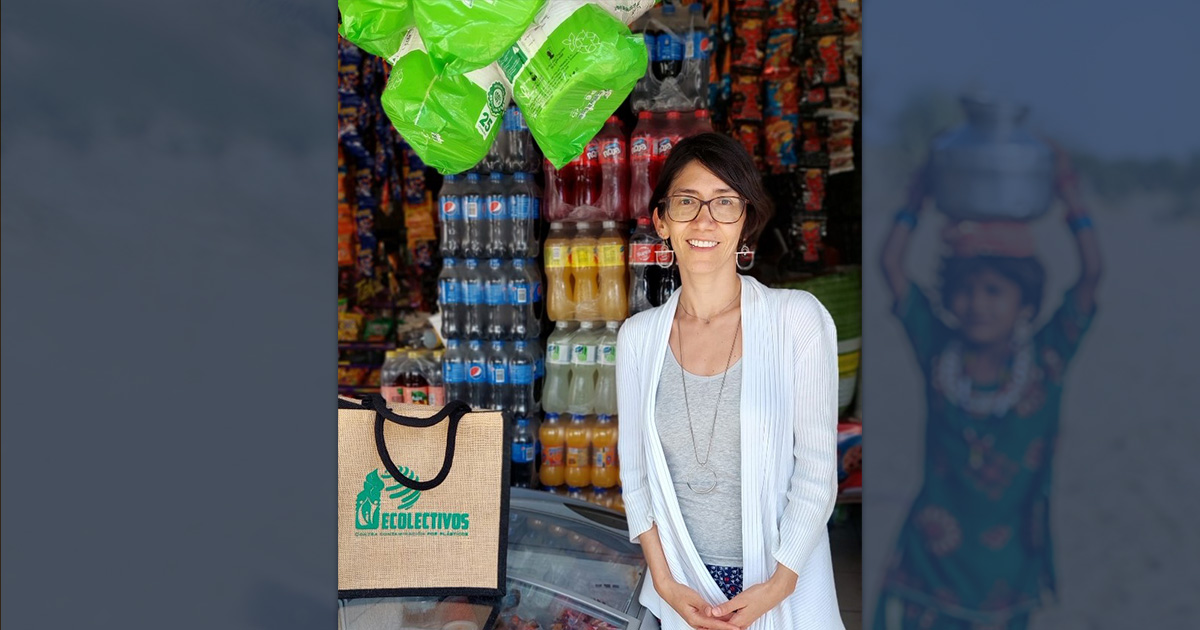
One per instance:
(975,549)
(728,465)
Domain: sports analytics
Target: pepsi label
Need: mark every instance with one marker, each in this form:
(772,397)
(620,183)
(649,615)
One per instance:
(497,208)
(474,293)
(522,453)
(519,293)
(476,373)
(497,374)
(494,294)
(456,372)
(450,208)
(471,204)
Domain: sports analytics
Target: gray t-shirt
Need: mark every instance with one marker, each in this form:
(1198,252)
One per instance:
(713,520)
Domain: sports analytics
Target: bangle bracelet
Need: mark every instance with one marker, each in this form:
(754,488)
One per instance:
(1079,224)
(907,217)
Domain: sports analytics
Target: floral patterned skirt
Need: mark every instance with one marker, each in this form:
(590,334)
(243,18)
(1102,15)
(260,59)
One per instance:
(729,579)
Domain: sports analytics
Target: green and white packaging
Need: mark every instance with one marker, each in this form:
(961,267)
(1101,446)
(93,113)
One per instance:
(449,120)
(376,26)
(626,10)
(569,72)
(465,35)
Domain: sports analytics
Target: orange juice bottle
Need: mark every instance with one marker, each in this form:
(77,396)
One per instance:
(579,442)
(584,270)
(614,299)
(560,305)
(554,452)
(604,452)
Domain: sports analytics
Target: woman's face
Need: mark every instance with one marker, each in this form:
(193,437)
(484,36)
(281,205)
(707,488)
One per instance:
(701,245)
(988,307)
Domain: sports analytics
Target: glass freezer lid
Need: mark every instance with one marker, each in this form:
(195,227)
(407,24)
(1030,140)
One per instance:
(575,556)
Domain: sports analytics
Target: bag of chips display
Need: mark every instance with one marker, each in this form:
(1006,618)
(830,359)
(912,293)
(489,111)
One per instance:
(569,72)
(449,120)
(465,35)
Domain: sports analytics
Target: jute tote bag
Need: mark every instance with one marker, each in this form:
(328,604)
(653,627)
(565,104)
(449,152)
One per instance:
(422,499)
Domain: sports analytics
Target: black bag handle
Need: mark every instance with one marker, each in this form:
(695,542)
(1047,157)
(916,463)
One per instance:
(454,410)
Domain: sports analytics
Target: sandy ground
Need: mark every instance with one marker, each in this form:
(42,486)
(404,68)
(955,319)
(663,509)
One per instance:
(1123,510)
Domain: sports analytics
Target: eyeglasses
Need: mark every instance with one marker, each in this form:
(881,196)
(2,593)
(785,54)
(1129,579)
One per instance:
(684,208)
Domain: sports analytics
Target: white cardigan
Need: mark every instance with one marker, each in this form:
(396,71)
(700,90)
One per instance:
(788,419)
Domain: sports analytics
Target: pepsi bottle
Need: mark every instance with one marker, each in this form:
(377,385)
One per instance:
(476,386)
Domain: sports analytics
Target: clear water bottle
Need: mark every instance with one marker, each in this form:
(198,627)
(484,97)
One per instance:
(606,377)
(584,344)
(454,370)
(557,388)
(520,301)
(473,209)
(497,221)
(450,213)
(498,382)
(520,371)
(523,196)
(498,312)
(524,459)
(450,299)
(476,384)
(474,309)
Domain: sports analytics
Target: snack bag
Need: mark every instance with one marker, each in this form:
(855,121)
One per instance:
(569,72)
(376,26)
(465,35)
(450,121)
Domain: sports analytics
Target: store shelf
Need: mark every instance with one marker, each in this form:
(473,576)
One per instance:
(366,345)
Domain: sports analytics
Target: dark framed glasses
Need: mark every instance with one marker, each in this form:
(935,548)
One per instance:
(684,208)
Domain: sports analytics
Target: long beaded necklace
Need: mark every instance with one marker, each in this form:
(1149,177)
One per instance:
(704,481)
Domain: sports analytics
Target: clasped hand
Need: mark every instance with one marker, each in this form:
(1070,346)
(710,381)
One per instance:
(735,614)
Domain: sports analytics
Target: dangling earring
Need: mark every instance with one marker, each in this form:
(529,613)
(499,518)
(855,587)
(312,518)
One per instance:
(747,255)
(664,256)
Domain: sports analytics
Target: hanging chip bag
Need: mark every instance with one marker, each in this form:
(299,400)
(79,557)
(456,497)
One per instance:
(376,26)
(450,121)
(465,35)
(569,72)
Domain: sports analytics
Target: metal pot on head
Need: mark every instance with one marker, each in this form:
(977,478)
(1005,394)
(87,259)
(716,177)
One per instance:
(992,167)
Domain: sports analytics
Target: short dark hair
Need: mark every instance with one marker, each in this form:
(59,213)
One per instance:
(728,160)
(1027,272)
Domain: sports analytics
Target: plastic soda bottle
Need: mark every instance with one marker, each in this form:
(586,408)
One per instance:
(614,305)
(614,169)
(389,378)
(497,376)
(557,388)
(579,443)
(520,374)
(477,382)
(606,372)
(475,315)
(554,451)
(498,314)
(586,172)
(437,381)
(604,452)
(454,371)
(585,270)
(584,343)
(524,462)
(560,303)
(450,212)
(640,154)
(641,258)
(450,299)
(473,235)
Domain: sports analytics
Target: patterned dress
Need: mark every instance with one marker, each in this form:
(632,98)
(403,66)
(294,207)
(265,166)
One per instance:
(975,550)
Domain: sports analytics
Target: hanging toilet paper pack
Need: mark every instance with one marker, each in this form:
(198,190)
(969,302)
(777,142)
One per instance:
(465,35)
(569,72)
(449,120)
(376,26)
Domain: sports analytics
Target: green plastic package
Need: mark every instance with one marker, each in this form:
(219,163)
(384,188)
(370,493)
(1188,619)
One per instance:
(449,120)
(376,26)
(465,35)
(569,72)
